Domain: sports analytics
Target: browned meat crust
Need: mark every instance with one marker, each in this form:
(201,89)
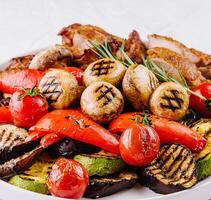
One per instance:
(187,68)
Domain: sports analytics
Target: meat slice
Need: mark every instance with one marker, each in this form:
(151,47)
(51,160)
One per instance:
(77,36)
(193,55)
(187,68)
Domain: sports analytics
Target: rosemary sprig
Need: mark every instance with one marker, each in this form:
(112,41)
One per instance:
(104,51)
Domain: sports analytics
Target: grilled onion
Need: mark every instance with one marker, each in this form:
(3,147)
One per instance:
(105,69)
(138,85)
(60,88)
(102,102)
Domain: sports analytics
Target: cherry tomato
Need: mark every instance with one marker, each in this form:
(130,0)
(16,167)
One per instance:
(27,107)
(68,179)
(199,105)
(139,145)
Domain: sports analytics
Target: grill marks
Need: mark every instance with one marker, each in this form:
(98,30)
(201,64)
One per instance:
(174,170)
(173,101)
(103,67)
(106,94)
(51,89)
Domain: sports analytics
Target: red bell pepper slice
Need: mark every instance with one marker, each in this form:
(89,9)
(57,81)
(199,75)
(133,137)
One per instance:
(50,139)
(12,80)
(168,131)
(5,115)
(76,125)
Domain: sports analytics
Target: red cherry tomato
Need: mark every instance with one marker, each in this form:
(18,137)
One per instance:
(200,105)
(27,107)
(139,145)
(68,179)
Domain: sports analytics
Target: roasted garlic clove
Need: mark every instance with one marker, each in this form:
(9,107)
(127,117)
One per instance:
(48,57)
(170,100)
(106,69)
(60,88)
(138,85)
(102,102)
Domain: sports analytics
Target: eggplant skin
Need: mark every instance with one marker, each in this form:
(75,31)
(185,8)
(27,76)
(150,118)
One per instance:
(69,148)
(19,164)
(174,170)
(104,186)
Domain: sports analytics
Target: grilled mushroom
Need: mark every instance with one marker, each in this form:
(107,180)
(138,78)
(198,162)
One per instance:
(105,69)
(59,87)
(169,100)
(172,171)
(102,102)
(48,57)
(138,85)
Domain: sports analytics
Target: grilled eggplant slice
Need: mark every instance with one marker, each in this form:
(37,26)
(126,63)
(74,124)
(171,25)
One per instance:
(100,164)
(138,85)
(60,88)
(105,69)
(102,102)
(174,170)
(169,100)
(19,164)
(104,186)
(34,178)
(12,142)
(203,127)
(69,147)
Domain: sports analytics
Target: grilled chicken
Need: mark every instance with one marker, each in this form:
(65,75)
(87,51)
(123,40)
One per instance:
(59,87)
(169,100)
(187,68)
(193,55)
(106,69)
(50,56)
(138,85)
(102,102)
(12,142)
(174,170)
(77,36)
(20,163)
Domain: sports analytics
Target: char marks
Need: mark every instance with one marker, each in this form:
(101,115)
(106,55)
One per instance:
(102,67)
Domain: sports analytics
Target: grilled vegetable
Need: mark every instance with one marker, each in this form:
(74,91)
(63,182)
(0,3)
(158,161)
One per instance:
(169,100)
(76,125)
(12,142)
(19,164)
(104,186)
(48,57)
(34,178)
(203,127)
(138,85)
(59,87)
(69,147)
(102,102)
(173,170)
(101,163)
(4,101)
(5,115)
(108,70)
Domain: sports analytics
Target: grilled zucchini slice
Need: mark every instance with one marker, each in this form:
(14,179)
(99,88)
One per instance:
(100,164)
(35,178)
(172,171)
(103,186)
(203,127)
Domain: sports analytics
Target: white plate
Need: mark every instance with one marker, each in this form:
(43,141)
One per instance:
(201,191)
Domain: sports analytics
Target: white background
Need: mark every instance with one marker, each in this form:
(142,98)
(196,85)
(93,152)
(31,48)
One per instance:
(26,25)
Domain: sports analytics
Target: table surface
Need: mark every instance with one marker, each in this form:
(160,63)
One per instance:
(32,24)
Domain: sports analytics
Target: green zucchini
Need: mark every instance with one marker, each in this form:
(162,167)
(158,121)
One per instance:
(203,127)
(35,178)
(100,164)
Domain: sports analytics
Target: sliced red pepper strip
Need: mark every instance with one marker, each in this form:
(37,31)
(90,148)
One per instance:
(13,80)
(168,131)
(50,139)
(76,125)
(5,115)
